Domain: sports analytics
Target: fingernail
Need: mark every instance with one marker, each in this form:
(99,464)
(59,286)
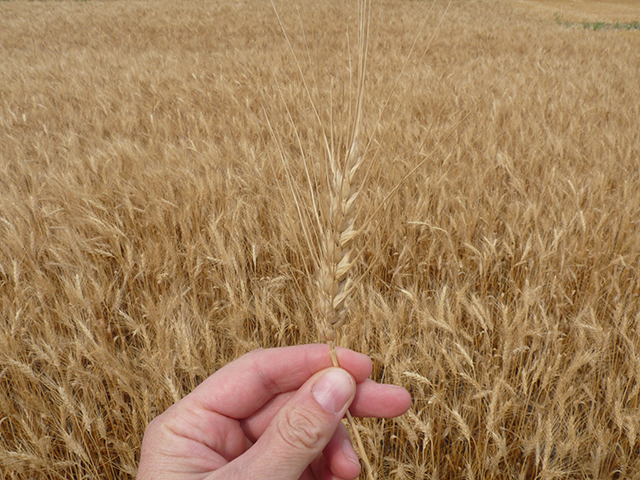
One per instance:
(349,452)
(333,390)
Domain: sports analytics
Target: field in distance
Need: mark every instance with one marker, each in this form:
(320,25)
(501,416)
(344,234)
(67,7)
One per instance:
(148,233)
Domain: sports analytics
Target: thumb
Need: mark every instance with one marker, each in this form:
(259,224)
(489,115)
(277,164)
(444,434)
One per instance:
(303,426)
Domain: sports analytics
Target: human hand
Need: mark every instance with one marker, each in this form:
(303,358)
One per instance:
(271,414)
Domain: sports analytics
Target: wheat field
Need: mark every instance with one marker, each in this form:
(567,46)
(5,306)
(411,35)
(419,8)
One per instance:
(149,151)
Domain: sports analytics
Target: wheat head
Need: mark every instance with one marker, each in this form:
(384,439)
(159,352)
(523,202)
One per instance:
(338,258)
(337,254)
(338,244)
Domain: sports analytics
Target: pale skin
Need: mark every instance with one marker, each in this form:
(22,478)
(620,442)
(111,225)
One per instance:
(270,414)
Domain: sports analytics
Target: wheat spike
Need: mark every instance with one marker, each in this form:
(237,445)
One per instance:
(338,245)
(337,256)
(338,259)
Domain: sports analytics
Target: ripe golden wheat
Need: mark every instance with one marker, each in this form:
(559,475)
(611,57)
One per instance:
(140,252)
(338,245)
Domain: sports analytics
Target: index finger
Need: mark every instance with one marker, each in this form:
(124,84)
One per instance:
(243,386)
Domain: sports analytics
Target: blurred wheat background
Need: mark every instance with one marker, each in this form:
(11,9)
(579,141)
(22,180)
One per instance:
(148,234)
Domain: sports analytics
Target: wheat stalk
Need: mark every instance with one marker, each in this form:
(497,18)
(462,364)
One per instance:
(338,259)
(338,251)
(337,255)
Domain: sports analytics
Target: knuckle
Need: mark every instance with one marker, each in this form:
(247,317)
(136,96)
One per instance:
(155,425)
(300,428)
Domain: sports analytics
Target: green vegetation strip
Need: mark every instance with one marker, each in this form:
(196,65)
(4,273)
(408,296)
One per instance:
(634,25)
